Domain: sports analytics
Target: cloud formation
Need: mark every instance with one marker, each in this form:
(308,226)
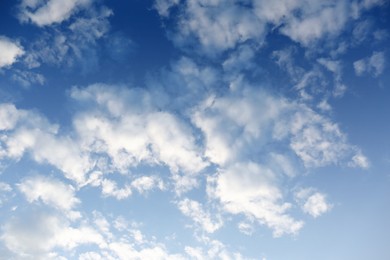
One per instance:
(222,25)
(374,65)
(10,51)
(45,13)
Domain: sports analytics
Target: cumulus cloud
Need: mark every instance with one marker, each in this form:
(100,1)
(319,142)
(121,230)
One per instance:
(312,202)
(10,51)
(131,131)
(251,189)
(50,191)
(33,134)
(43,13)
(374,65)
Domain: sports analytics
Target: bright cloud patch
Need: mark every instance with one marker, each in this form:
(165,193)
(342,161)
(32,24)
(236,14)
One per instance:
(251,189)
(9,51)
(221,25)
(49,12)
(49,191)
(312,202)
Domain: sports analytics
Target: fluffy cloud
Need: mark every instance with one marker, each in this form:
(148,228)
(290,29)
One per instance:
(234,128)
(312,202)
(29,132)
(252,190)
(44,13)
(129,129)
(36,235)
(375,64)
(51,192)
(9,51)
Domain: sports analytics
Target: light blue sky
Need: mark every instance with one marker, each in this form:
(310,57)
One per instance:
(200,129)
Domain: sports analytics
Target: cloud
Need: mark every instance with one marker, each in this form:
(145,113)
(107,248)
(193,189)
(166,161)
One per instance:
(145,183)
(223,25)
(132,131)
(52,192)
(37,234)
(44,13)
(27,78)
(29,132)
(213,249)
(253,139)
(163,6)
(374,65)
(318,21)
(74,45)
(312,202)
(195,211)
(10,51)
(359,160)
(251,189)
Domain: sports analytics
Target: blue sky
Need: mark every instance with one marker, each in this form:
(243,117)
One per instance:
(199,129)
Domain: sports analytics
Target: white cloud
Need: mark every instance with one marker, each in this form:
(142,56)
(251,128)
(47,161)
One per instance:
(319,19)
(146,183)
(10,51)
(109,188)
(241,134)
(251,189)
(218,25)
(359,66)
(222,25)
(213,249)
(246,228)
(44,13)
(36,235)
(195,211)
(51,192)
(312,202)
(131,131)
(359,160)
(32,133)
(125,251)
(375,64)
(163,6)
(9,116)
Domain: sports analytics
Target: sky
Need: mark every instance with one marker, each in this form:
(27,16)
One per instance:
(199,129)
